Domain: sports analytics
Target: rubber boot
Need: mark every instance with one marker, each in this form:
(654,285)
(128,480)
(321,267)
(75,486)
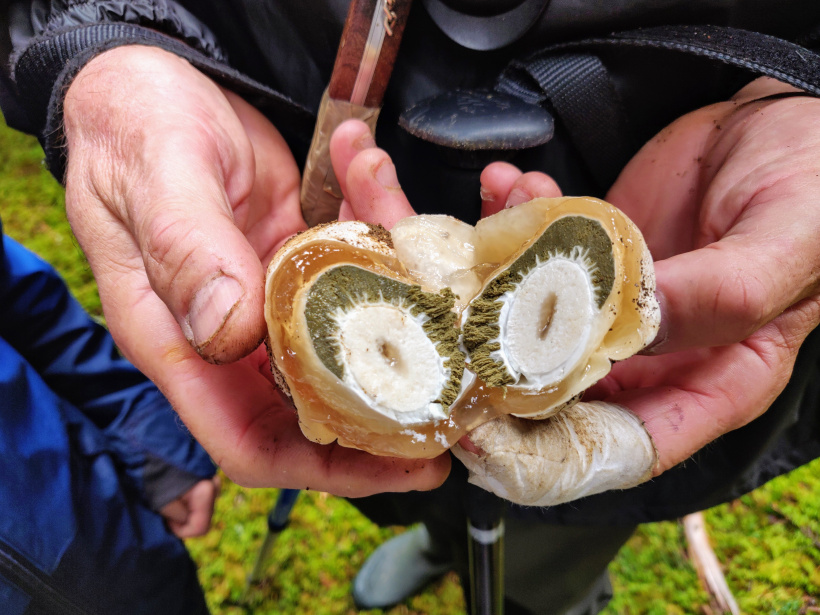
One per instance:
(397,570)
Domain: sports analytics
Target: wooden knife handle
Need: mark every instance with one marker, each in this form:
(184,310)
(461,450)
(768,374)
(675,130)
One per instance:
(352,46)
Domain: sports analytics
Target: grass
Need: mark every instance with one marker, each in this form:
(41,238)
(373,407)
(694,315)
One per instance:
(768,541)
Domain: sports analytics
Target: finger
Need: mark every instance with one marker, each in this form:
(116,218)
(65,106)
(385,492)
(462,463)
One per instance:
(496,181)
(172,184)
(724,197)
(470,446)
(723,293)
(371,186)
(504,186)
(175,511)
(346,212)
(689,399)
(199,263)
(584,449)
(200,501)
(349,138)
(272,212)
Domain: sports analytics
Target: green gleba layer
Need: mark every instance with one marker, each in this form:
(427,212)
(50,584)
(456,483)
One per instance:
(345,287)
(577,238)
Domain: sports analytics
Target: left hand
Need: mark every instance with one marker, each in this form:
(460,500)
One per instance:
(190,514)
(726,198)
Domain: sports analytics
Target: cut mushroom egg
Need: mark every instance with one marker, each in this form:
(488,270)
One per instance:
(400,343)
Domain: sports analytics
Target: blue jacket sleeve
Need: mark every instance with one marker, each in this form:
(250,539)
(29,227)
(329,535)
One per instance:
(78,360)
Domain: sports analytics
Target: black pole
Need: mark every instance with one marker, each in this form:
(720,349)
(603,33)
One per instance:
(278,519)
(485,536)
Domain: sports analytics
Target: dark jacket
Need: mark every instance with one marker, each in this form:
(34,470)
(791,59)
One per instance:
(89,450)
(279,55)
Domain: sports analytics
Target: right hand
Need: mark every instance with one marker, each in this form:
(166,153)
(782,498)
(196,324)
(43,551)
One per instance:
(726,199)
(191,513)
(179,193)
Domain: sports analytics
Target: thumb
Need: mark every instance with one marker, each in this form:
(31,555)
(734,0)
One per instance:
(156,169)
(201,265)
(180,238)
(721,294)
(197,261)
(176,225)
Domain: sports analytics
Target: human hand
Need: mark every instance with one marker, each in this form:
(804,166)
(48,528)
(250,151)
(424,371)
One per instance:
(726,199)
(190,514)
(179,193)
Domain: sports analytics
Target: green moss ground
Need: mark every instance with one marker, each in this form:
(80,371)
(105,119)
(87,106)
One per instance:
(768,541)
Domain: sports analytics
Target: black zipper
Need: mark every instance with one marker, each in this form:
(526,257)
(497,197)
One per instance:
(45,598)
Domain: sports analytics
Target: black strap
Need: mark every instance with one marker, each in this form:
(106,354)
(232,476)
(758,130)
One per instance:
(759,53)
(576,84)
(578,88)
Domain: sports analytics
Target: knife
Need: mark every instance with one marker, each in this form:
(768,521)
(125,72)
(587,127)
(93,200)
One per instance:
(367,51)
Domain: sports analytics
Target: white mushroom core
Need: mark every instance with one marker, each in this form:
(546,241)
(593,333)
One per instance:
(390,362)
(545,323)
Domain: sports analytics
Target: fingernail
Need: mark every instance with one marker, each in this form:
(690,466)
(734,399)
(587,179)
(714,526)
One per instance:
(385,174)
(656,345)
(210,308)
(366,141)
(487,195)
(517,196)
(470,446)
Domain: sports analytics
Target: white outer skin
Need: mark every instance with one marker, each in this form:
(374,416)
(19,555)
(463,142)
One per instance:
(585,449)
(439,252)
(354,233)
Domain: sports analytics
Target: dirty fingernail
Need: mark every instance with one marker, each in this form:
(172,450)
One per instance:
(517,196)
(210,308)
(656,346)
(487,195)
(385,174)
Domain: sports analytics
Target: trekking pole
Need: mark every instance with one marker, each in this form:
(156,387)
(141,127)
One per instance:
(278,520)
(485,536)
